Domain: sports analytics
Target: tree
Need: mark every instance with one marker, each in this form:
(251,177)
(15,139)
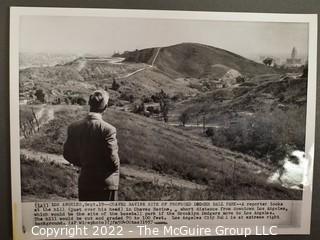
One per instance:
(115,86)
(268,61)
(131,98)
(305,71)
(40,95)
(164,108)
(184,118)
(210,132)
(164,105)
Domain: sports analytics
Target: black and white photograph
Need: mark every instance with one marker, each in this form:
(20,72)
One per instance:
(159,106)
(161,109)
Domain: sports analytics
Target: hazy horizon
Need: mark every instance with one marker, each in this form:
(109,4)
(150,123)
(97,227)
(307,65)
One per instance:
(105,36)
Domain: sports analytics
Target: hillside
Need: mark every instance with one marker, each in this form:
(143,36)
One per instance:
(180,70)
(267,93)
(239,119)
(264,117)
(151,81)
(196,60)
(153,145)
(82,75)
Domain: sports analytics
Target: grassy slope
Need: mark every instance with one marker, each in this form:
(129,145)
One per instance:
(154,145)
(47,181)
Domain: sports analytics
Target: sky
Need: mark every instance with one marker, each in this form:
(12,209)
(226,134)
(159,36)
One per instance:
(104,36)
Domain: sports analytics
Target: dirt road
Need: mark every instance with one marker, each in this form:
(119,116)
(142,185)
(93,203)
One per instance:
(145,68)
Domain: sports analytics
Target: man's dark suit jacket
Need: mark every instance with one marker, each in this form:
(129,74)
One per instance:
(92,145)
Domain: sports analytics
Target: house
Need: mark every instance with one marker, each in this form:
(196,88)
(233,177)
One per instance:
(152,107)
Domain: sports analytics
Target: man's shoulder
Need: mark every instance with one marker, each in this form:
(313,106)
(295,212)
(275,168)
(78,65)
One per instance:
(76,124)
(107,127)
(100,123)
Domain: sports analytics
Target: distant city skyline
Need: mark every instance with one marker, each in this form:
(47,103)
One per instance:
(105,36)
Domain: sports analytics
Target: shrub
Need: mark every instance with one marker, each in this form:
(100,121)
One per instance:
(209,132)
(115,86)
(81,101)
(127,97)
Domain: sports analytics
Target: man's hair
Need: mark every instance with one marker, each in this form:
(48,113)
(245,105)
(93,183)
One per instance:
(98,101)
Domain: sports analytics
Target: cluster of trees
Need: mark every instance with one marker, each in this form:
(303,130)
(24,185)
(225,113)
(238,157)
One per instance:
(269,61)
(69,98)
(185,117)
(162,99)
(267,135)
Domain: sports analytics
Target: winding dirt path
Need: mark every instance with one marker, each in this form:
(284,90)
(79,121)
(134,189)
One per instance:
(144,68)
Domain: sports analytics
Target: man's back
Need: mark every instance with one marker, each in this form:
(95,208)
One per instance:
(92,145)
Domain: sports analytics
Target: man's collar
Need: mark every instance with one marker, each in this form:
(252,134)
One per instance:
(93,115)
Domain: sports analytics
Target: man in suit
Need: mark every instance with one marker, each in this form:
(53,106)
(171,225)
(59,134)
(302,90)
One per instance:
(92,145)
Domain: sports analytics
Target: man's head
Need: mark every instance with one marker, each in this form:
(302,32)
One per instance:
(98,101)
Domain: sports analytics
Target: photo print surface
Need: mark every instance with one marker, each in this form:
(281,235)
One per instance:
(204,110)
(210,111)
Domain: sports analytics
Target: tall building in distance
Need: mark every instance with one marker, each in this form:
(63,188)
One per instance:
(294,61)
